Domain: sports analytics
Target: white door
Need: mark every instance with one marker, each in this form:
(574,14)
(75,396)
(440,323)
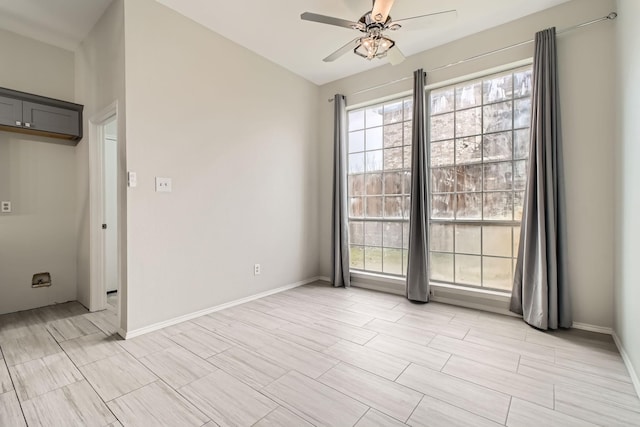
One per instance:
(111,205)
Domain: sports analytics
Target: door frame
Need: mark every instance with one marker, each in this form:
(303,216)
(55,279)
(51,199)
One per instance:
(97,283)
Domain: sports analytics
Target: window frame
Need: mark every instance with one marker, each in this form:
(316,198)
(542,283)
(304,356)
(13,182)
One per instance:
(513,224)
(527,62)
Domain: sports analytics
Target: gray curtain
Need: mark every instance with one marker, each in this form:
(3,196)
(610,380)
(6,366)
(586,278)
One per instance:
(339,217)
(418,262)
(541,287)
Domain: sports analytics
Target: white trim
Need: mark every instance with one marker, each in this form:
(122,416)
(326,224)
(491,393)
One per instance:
(627,361)
(156,326)
(97,287)
(592,328)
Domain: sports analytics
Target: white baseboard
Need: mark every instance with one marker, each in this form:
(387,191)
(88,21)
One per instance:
(592,328)
(627,361)
(156,326)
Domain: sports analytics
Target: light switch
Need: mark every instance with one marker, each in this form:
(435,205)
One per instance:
(132,179)
(163,185)
(6,206)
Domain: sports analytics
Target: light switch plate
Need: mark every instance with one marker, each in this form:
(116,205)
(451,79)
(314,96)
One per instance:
(132,179)
(163,185)
(6,206)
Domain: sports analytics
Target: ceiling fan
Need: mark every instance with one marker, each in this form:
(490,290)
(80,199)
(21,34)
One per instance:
(373,24)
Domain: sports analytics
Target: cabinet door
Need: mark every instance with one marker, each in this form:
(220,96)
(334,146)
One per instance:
(50,119)
(10,111)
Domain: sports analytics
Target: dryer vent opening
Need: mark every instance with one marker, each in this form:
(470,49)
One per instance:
(41,280)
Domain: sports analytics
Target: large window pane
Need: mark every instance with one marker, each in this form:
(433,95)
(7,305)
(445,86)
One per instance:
(442,127)
(392,235)
(356,120)
(441,267)
(469,95)
(356,207)
(498,146)
(356,163)
(442,101)
(392,135)
(374,139)
(469,122)
(498,206)
(356,258)
(442,153)
(468,239)
(469,150)
(356,185)
(469,206)
(522,144)
(498,88)
(498,117)
(373,233)
(393,183)
(393,112)
(498,176)
(356,141)
(496,241)
(374,116)
(441,237)
(392,261)
(356,233)
(393,158)
(468,270)
(374,161)
(442,206)
(378,186)
(489,155)
(393,207)
(373,259)
(374,184)
(443,180)
(496,273)
(469,178)
(373,207)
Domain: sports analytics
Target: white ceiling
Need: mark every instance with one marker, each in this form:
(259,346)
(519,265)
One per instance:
(273,28)
(62,23)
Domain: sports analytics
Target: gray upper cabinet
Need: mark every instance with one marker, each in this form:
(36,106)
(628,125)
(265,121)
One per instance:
(27,113)
(10,111)
(50,119)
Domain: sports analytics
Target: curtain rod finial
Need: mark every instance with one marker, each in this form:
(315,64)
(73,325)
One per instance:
(612,16)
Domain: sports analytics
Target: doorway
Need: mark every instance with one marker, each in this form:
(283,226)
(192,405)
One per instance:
(110,214)
(105,197)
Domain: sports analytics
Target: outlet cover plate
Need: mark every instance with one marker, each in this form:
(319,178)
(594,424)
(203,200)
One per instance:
(163,185)
(6,206)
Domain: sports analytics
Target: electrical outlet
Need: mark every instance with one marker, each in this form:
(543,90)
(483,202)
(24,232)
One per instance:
(132,179)
(6,206)
(163,185)
(257,270)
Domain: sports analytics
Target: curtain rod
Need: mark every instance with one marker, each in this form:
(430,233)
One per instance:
(610,17)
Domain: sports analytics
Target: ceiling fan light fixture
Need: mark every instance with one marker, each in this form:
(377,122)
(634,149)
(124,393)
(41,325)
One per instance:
(373,47)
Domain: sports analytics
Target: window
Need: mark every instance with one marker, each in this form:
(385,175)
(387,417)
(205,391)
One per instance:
(379,166)
(479,146)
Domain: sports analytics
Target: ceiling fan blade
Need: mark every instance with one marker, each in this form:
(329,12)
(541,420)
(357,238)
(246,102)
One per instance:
(381,9)
(439,17)
(323,19)
(344,49)
(395,56)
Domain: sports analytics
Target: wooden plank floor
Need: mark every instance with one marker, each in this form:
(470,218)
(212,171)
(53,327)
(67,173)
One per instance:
(311,356)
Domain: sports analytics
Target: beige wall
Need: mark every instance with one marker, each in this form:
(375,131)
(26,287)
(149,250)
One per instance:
(587,67)
(237,134)
(38,176)
(100,82)
(627,291)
